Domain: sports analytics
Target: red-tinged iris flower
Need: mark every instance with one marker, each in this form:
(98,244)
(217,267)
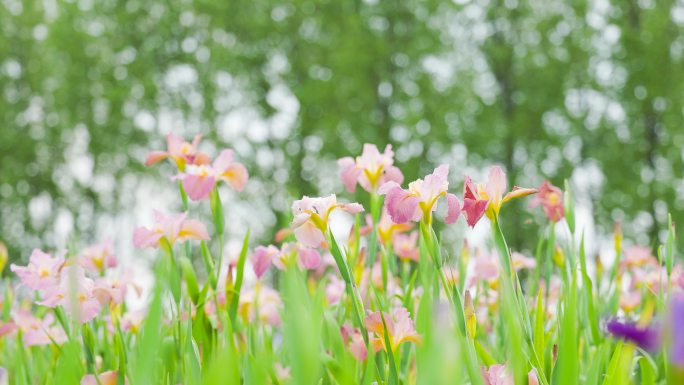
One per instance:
(418,201)
(172,228)
(311,216)
(199,180)
(180,151)
(370,170)
(42,271)
(550,198)
(480,199)
(400,329)
(96,258)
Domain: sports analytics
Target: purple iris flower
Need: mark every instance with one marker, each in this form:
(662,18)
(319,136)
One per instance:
(647,338)
(677,330)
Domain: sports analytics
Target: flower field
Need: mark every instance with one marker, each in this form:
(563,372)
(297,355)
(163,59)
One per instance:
(390,303)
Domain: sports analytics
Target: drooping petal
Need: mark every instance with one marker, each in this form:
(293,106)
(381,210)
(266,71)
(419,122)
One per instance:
(518,192)
(310,235)
(402,206)
(236,176)
(351,208)
(198,187)
(143,237)
(474,209)
(193,229)
(453,208)
(392,174)
(155,156)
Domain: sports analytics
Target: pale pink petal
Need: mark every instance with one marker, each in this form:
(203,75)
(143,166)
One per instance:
(532,377)
(174,144)
(261,260)
(196,140)
(309,258)
(143,237)
(454,209)
(309,235)
(155,157)
(349,173)
(393,174)
(198,187)
(387,187)
(496,184)
(236,176)
(358,349)
(193,229)
(224,160)
(352,208)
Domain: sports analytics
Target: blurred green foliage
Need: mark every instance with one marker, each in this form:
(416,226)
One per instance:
(588,90)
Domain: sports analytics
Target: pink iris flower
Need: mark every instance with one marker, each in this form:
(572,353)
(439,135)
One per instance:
(406,246)
(521,261)
(480,199)
(96,258)
(262,259)
(550,198)
(42,271)
(334,290)
(370,170)
(418,201)
(311,216)
(105,378)
(75,292)
(306,258)
(637,256)
(199,180)
(132,320)
(353,337)
(387,228)
(261,303)
(400,329)
(172,228)
(37,332)
(180,151)
(499,375)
